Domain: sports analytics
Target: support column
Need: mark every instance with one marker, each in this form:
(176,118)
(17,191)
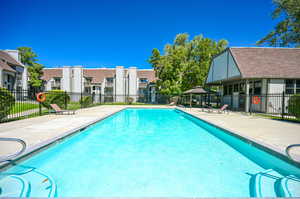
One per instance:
(132,78)
(25,78)
(120,84)
(247,97)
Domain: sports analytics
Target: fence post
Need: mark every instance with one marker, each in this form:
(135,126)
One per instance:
(282,105)
(100,97)
(66,103)
(40,108)
(250,103)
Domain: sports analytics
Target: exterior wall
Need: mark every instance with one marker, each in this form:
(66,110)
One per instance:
(120,84)
(222,67)
(132,83)
(48,86)
(25,78)
(124,83)
(77,80)
(14,54)
(66,79)
(275,86)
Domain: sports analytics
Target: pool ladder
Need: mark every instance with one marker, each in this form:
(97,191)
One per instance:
(9,157)
(287,150)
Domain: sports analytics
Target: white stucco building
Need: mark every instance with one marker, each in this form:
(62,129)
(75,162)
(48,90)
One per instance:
(13,74)
(112,84)
(255,71)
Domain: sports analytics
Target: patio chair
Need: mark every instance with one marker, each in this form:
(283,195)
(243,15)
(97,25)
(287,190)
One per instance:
(58,110)
(223,109)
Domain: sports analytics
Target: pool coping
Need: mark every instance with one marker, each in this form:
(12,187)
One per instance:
(47,143)
(252,141)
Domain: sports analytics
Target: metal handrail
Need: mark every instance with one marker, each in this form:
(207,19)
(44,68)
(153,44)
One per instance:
(288,149)
(5,158)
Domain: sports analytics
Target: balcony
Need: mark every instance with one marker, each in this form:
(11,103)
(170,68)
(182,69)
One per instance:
(55,84)
(143,84)
(109,84)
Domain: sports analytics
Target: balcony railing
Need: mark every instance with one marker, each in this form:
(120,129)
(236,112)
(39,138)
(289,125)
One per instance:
(109,84)
(55,84)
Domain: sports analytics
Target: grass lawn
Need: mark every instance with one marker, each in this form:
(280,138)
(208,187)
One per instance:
(278,117)
(22,106)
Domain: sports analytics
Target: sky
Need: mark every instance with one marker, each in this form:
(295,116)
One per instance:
(109,33)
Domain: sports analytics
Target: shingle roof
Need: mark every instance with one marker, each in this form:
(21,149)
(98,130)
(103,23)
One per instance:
(49,73)
(149,74)
(4,55)
(99,74)
(256,62)
(6,67)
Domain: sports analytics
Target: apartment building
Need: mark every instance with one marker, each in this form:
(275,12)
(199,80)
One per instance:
(113,84)
(13,74)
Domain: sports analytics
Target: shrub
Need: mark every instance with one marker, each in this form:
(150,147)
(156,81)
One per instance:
(130,100)
(85,101)
(7,101)
(294,105)
(58,97)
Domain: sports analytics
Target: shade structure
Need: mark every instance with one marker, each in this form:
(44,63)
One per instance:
(196,90)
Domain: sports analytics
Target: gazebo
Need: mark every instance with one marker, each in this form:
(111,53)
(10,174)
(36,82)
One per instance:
(198,90)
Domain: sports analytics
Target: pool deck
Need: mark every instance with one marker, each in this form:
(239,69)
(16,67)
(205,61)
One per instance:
(40,131)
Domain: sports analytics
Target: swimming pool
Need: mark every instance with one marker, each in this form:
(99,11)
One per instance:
(151,153)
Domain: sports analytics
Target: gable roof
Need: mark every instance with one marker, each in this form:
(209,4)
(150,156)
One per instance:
(149,74)
(257,62)
(6,67)
(99,74)
(49,73)
(9,59)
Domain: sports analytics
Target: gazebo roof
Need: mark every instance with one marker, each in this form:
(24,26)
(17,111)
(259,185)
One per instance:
(196,90)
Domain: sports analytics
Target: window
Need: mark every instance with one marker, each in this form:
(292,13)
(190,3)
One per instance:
(257,88)
(236,88)
(225,90)
(230,90)
(110,79)
(292,86)
(143,80)
(242,88)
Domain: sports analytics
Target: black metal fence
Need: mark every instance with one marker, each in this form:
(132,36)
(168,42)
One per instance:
(18,104)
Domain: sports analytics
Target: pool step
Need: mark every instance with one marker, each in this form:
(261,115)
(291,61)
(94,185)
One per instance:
(289,186)
(34,183)
(264,183)
(14,186)
(270,183)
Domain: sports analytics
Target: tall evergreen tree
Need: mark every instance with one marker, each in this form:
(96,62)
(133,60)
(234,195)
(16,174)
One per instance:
(35,70)
(287,31)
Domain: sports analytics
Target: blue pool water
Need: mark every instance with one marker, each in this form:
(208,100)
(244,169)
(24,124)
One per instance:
(151,153)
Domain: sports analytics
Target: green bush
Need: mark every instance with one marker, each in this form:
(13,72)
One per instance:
(7,101)
(58,97)
(294,105)
(85,101)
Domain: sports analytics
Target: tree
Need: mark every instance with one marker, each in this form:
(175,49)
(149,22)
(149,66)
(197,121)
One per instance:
(35,70)
(287,31)
(185,63)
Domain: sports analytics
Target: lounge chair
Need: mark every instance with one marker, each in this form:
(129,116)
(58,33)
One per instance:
(223,109)
(58,110)
(172,104)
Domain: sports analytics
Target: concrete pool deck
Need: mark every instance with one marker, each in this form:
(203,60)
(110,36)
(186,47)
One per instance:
(39,131)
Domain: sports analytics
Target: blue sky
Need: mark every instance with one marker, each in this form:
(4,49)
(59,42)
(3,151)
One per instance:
(106,33)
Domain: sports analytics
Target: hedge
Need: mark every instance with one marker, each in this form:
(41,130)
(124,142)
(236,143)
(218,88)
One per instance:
(58,97)
(85,101)
(294,105)
(7,101)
